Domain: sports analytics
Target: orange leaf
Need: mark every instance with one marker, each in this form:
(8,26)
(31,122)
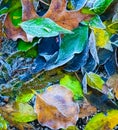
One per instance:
(67,19)
(55,108)
(86,109)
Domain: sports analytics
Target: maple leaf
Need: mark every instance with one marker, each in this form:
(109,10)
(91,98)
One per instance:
(55,108)
(67,19)
(28,12)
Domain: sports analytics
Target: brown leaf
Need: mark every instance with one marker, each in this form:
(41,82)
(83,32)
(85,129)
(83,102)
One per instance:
(67,19)
(55,108)
(86,109)
(112,82)
(28,12)
(12,32)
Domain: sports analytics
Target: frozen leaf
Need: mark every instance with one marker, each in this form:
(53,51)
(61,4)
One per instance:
(100,100)
(106,122)
(42,27)
(110,65)
(79,59)
(104,55)
(24,96)
(102,38)
(72,84)
(77,4)
(92,46)
(94,81)
(100,6)
(96,22)
(112,82)
(28,12)
(67,19)
(86,109)
(55,108)
(23,112)
(3,123)
(72,44)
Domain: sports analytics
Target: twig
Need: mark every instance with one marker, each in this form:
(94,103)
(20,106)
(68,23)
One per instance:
(44,2)
(77,77)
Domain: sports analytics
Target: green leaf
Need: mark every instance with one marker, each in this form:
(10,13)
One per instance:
(96,22)
(103,122)
(94,81)
(72,44)
(16,16)
(74,85)
(3,123)
(100,6)
(9,6)
(24,113)
(24,96)
(42,27)
(71,128)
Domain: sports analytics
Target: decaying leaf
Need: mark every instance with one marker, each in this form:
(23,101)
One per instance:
(86,109)
(69,20)
(55,108)
(12,32)
(112,82)
(28,12)
(103,122)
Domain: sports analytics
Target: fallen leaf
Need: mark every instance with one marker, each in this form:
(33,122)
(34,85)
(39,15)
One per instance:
(28,12)
(95,81)
(112,82)
(3,123)
(86,109)
(42,27)
(71,83)
(12,32)
(103,122)
(67,19)
(55,108)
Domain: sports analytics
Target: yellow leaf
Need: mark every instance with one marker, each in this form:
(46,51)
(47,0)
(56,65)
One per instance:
(101,37)
(106,122)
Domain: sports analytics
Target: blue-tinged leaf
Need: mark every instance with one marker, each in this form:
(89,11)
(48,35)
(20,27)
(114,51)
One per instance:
(76,4)
(78,61)
(92,44)
(90,65)
(72,44)
(110,65)
(104,55)
(38,64)
(48,46)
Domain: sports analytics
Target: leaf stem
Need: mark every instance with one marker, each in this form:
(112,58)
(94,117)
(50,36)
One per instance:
(44,2)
